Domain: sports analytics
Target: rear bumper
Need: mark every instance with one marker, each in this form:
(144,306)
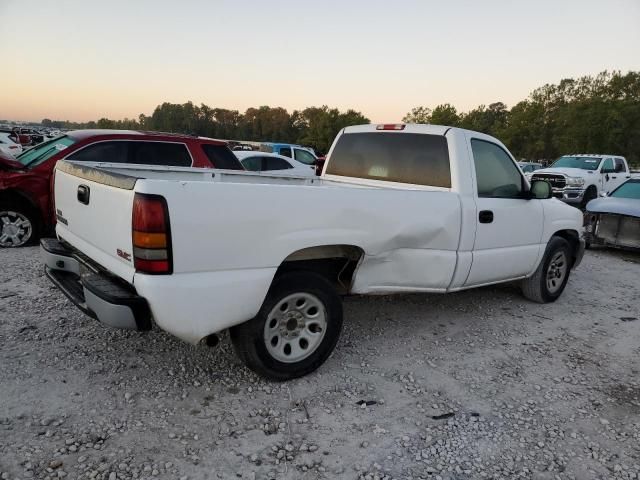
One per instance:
(95,293)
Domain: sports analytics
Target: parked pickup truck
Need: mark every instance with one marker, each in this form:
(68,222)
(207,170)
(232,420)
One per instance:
(578,179)
(405,208)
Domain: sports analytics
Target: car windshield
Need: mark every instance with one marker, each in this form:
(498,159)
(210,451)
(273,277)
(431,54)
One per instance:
(43,152)
(629,189)
(584,163)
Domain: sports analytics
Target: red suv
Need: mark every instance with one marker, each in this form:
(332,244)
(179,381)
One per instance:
(26,207)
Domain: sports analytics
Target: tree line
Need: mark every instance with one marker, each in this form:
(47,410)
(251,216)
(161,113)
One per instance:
(591,114)
(314,126)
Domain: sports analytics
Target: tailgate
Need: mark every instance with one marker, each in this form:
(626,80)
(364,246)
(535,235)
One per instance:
(93,211)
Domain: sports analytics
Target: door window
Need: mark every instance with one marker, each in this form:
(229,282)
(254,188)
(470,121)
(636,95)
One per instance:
(607,166)
(304,156)
(106,152)
(285,151)
(160,153)
(496,174)
(275,163)
(620,167)
(253,164)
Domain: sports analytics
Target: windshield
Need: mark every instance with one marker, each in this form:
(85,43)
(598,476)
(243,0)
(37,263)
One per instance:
(36,155)
(584,163)
(629,189)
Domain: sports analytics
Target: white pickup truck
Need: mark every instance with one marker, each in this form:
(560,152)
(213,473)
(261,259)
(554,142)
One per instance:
(578,179)
(398,208)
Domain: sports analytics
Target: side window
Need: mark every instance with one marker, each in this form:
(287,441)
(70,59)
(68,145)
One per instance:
(274,163)
(607,166)
(285,151)
(620,165)
(160,153)
(108,152)
(496,174)
(221,157)
(253,164)
(304,157)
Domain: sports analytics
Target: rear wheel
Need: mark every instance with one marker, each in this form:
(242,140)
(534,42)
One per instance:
(296,329)
(549,280)
(18,226)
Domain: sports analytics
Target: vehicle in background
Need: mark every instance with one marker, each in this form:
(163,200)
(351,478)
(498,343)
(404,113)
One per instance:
(614,220)
(26,207)
(35,136)
(297,152)
(578,179)
(529,167)
(405,208)
(241,148)
(8,145)
(16,136)
(271,163)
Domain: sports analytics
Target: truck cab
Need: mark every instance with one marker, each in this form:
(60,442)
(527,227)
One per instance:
(579,178)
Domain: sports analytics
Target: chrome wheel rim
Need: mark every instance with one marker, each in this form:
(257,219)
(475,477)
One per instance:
(556,272)
(295,327)
(15,229)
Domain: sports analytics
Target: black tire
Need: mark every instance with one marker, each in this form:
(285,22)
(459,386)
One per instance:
(249,338)
(10,211)
(590,194)
(536,287)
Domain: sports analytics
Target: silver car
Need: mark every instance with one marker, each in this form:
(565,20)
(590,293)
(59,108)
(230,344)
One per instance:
(614,220)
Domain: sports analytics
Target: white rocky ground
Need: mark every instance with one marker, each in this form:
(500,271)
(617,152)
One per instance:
(479,384)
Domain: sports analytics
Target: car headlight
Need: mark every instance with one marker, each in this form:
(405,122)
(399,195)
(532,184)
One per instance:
(575,181)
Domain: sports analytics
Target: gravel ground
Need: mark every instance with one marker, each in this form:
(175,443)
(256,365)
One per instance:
(478,384)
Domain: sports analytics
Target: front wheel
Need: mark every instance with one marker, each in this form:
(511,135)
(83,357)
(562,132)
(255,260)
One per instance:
(550,278)
(296,329)
(18,226)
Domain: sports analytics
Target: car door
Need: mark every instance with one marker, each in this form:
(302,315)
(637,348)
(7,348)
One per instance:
(619,175)
(508,225)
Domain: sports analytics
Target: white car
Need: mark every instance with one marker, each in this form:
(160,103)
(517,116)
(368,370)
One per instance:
(8,146)
(263,162)
(398,208)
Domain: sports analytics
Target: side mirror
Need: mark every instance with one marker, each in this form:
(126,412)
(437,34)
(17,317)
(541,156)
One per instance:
(603,194)
(541,190)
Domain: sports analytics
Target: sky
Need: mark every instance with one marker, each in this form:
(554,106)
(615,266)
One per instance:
(82,60)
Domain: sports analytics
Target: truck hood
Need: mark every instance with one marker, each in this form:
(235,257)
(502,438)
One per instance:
(620,206)
(569,172)
(8,163)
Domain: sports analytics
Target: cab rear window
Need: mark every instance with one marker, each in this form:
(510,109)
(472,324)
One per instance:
(411,158)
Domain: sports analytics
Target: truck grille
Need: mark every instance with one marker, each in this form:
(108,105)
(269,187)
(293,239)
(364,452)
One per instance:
(556,181)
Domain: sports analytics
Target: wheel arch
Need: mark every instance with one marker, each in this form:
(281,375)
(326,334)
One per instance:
(11,195)
(337,263)
(573,238)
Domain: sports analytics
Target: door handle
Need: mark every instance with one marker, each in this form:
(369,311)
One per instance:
(83,194)
(485,216)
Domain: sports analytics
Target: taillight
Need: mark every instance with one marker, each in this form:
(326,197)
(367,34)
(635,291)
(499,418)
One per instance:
(151,234)
(391,126)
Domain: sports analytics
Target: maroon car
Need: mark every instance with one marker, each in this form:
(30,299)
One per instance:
(26,207)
